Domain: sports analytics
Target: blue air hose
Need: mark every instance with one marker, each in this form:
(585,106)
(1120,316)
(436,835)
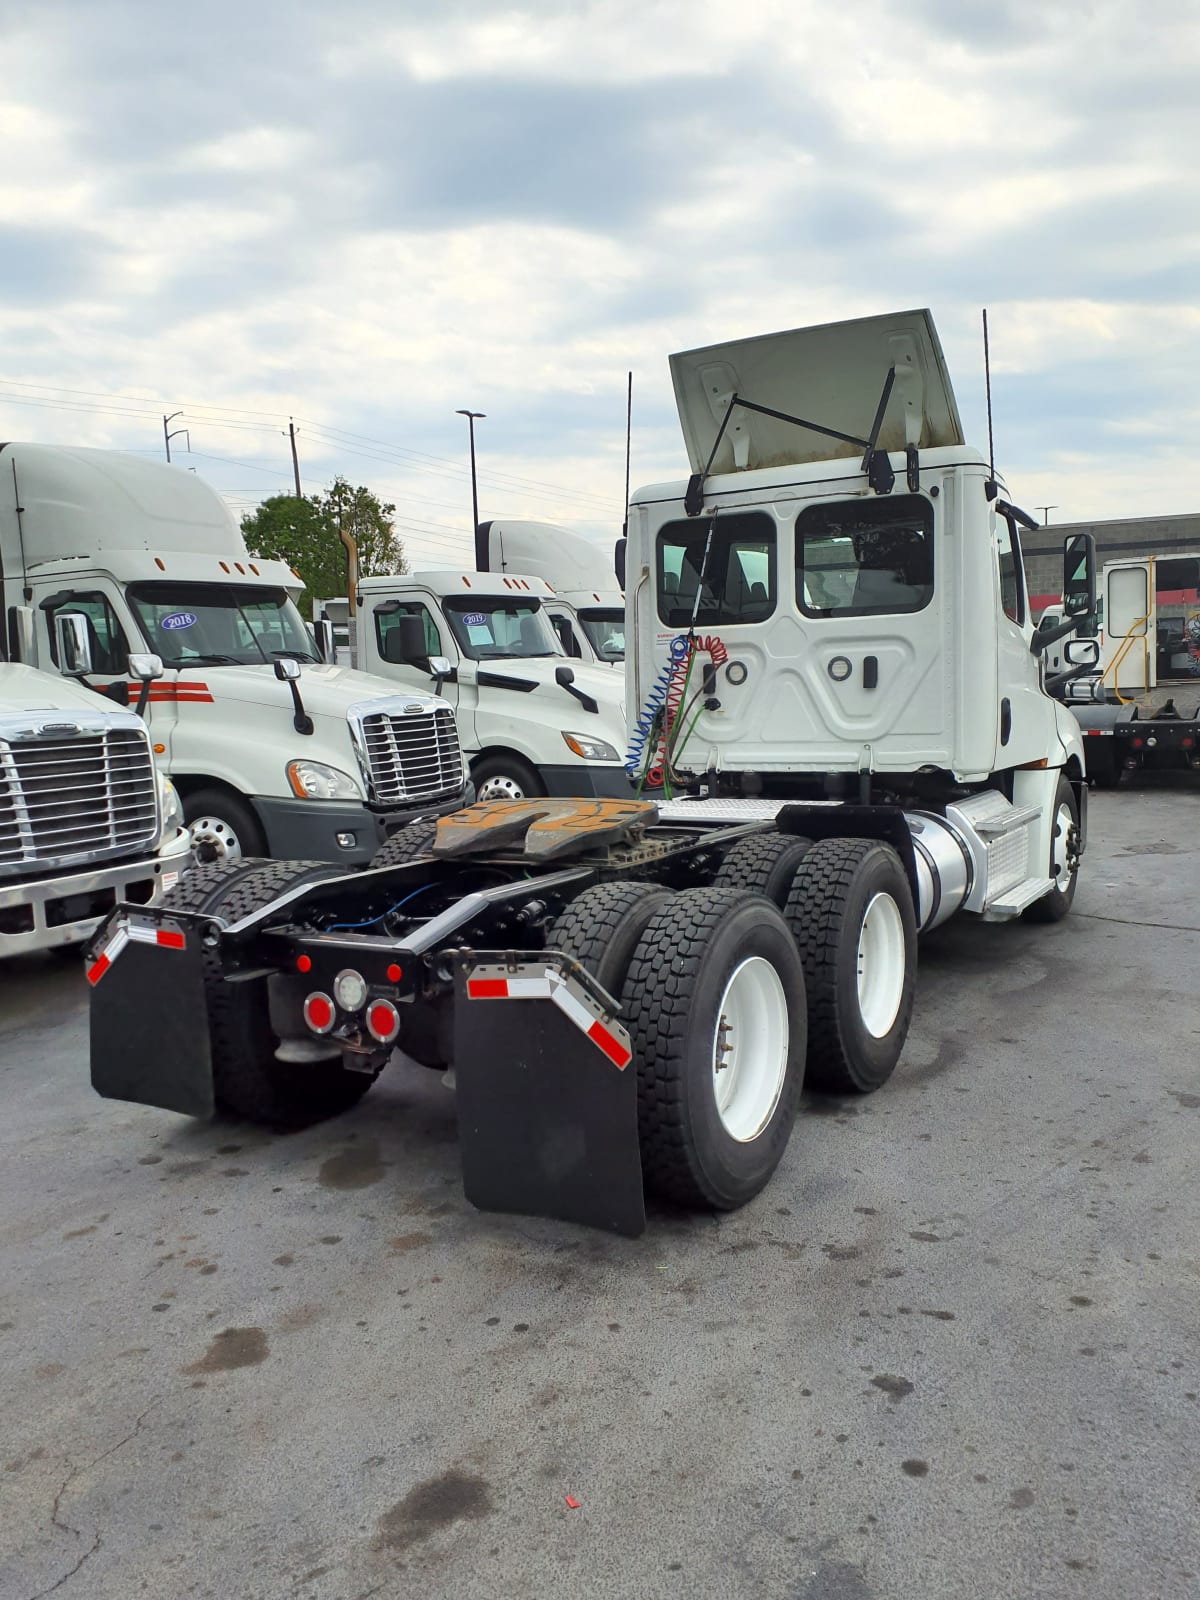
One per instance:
(655,701)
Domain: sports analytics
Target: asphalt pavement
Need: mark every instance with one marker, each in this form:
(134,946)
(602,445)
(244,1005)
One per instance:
(951,1351)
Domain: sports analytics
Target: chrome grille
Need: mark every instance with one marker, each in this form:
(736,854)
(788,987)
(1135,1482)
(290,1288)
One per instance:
(412,755)
(72,797)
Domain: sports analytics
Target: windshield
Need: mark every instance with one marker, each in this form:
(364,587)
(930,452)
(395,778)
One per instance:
(488,627)
(219,624)
(605,628)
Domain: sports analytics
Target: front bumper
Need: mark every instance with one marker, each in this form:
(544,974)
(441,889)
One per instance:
(48,913)
(568,782)
(314,830)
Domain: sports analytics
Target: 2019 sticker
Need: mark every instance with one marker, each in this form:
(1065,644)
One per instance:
(178,619)
(475,619)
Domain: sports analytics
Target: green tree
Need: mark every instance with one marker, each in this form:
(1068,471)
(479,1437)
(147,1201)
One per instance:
(303,531)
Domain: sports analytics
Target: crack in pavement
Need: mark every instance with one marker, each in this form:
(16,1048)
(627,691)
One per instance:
(76,1472)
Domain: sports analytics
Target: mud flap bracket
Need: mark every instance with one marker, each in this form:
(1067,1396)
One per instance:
(547,1093)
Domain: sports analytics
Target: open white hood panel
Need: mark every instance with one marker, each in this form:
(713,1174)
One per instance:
(832,375)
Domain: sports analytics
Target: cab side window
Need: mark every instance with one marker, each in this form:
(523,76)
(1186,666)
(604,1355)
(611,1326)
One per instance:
(385,621)
(110,648)
(1012,576)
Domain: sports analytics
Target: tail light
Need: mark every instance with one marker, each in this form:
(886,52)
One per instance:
(319,1012)
(1137,743)
(383,1021)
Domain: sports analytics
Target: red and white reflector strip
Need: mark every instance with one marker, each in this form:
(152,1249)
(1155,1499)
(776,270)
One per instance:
(128,933)
(607,1035)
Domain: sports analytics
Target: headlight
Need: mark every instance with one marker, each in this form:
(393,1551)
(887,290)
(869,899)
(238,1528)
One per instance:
(312,780)
(172,807)
(590,749)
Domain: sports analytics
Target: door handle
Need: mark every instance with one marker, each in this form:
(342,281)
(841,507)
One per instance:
(870,672)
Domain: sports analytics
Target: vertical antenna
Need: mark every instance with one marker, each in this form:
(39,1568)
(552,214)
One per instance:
(628,439)
(987,378)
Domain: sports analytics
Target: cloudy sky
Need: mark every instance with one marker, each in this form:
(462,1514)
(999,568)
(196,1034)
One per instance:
(368,214)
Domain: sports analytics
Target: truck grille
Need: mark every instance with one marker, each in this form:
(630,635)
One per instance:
(68,798)
(412,755)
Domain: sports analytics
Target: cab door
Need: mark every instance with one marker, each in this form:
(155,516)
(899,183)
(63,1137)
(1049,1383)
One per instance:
(1129,627)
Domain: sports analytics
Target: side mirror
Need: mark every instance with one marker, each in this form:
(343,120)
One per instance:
(1079,575)
(74,644)
(145,667)
(403,645)
(287,669)
(564,677)
(440,667)
(619,562)
(1082,652)
(323,632)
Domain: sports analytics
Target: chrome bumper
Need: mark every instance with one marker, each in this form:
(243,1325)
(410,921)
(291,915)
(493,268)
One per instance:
(47,913)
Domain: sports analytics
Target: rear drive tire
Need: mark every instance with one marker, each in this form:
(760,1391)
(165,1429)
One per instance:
(601,928)
(224,827)
(1064,858)
(715,987)
(506,777)
(851,912)
(764,863)
(413,842)
(248,1082)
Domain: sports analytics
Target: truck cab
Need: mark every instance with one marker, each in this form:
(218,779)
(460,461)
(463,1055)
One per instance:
(532,721)
(273,751)
(587,603)
(854,600)
(86,818)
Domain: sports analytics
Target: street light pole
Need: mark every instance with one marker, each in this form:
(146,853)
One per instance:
(1046,510)
(168,434)
(472,417)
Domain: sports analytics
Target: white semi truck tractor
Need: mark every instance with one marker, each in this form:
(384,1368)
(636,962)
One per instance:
(273,751)
(86,818)
(587,605)
(843,738)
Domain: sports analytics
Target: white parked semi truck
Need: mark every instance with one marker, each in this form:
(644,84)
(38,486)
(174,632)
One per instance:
(839,687)
(1141,708)
(587,604)
(531,721)
(86,818)
(272,751)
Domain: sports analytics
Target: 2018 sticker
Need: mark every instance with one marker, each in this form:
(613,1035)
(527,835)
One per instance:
(178,619)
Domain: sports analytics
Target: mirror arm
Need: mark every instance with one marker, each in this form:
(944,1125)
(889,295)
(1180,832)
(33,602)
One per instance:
(1051,636)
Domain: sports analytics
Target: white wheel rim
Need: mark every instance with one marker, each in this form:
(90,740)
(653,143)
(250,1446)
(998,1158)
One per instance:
(500,787)
(214,840)
(1060,849)
(881,965)
(750,1049)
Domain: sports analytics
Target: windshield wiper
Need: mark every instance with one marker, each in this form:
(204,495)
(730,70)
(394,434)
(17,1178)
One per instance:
(206,661)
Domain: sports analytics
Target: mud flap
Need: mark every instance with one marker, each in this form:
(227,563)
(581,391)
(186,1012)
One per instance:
(149,1017)
(547,1094)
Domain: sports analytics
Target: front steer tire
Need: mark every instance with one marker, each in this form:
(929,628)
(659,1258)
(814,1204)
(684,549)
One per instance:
(860,980)
(678,982)
(248,1081)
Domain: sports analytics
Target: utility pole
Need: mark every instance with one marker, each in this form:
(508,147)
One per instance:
(472,417)
(1046,510)
(295,457)
(168,434)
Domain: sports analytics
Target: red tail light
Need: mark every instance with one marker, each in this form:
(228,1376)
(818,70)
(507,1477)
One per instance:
(319,1012)
(383,1021)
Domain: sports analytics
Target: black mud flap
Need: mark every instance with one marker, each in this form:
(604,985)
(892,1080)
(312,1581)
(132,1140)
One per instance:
(547,1094)
(149,1019)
